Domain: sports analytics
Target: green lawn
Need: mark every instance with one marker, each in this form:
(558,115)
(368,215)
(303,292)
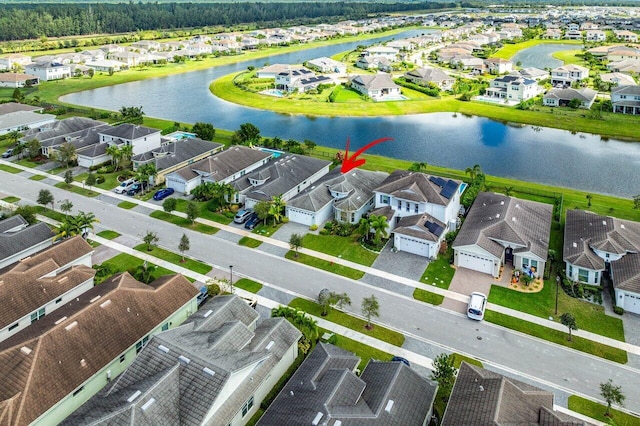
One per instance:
(346,320)
(108,234)
(125,262)
(248,285)
(11,199)
(127,205)
(569,57)
(76,189)
(347,248)
(596,411)
(38,177)
(458,358)
(9,169)
(110,179)
(249,242)
(365,352)
(175,258)
(559,337)
(204,212)
(51,214)
(439,272)
(589,317)
(183,222)
(268,229)
(325,265)
(427,296)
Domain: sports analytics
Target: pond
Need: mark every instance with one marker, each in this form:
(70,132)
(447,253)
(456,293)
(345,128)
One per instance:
(540,56)
(545,155)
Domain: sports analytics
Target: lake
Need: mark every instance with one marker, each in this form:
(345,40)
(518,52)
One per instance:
(545,155)
(540,56)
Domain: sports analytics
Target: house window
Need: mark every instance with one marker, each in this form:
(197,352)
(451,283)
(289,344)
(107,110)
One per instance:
(37,315)
(77,391)
(165,326)
(58,300)
(596,278)
(384,199)
(247,406)
(570,271)
(399,204)
(141,344)
(583,275)
(13,327)
(534,264)
(416,208)
(408,206)
(122,358)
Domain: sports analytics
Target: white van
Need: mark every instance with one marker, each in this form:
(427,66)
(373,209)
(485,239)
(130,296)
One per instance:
(477,303)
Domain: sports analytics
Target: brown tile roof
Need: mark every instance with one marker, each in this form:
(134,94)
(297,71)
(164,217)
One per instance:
(25,286)
(47,361)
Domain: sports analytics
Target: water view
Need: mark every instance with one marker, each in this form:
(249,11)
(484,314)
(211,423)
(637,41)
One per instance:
(540,56)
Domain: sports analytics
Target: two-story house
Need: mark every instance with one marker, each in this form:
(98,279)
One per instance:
(18,239)
(626,99)
(419,208)
(567,74)
(141,138)
(513,88)
(47,71)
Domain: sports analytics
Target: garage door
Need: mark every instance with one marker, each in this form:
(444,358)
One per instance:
(177,185)
(632,303)
(477,263)
(412,245)
(298,216)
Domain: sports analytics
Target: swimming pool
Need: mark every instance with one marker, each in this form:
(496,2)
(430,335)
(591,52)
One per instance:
(273,92)
(386,98)
(275,153)
(176,136)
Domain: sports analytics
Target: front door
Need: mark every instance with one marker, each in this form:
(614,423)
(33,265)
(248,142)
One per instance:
(508,255)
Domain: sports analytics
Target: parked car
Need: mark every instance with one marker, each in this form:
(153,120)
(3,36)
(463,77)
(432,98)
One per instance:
(402,360)
(243,215)
(252,222)
(125,186)
(134,189)
(477,304)
(8,153)
(162,194)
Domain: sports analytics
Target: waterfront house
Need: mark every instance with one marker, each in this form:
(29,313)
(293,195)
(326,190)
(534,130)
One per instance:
(563,97)
(376,86)
(513,88)
(47,71)
(626,99)
(567,74)
(424,76)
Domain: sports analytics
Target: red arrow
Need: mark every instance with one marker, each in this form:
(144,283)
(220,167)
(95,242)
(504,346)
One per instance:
(353,162)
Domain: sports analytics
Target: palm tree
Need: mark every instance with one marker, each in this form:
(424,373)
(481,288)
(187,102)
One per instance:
(145,172)
(65,230)
(116,155)
(276,209)
(85,221)
(473,172)
(379,226)
(364,228)
(126,154)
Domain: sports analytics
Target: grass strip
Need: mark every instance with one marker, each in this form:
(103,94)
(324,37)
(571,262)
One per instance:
(51,214)
(77,189)
(458,358)
(176,259)
(38,177)
(427,296)
(365,352)
(346,248)
(108,234)
(248,285)
(349,321)
(11,199)
(558,337)
(325,265)
(127,205)
(124,262)
(438,272)
(596,411)
(249,242)
(9,169)
(203,211)
(183,222)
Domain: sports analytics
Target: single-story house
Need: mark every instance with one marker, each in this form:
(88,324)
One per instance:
(500,229)
(7,62)
(424,76)
(596,245)
(16,80)
(532,73)
(380,63)
(375,86)
(106,65)
(618,79)
(344,197)
(327,65)
(271,71)
(21,120)
(626,99)
(562,97)
(18,239)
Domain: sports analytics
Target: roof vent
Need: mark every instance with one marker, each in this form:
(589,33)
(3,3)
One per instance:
(621,226)
(60,320)
(389,406)
(574,245)
(604,222)
(502,203)
(209,312)
(316,419)
(83,362)
(481,388)
(291,393)
(134,396)
(70,326)
(513,219)
(270,345)
(337,423)
(105,303)
(184,359)
(94,299)
(497,215)
(25,350)
(163,348)
(208,371)
(148,404)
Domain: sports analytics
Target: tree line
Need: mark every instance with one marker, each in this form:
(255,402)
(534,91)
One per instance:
(30,20)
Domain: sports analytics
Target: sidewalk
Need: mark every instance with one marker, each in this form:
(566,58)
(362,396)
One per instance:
(366,269)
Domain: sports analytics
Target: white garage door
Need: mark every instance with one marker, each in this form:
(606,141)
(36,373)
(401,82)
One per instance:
(305,218)
(412,245)
(177,185)
(477,263)
(632,303)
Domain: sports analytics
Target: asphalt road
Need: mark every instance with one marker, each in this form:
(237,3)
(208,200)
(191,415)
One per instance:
(549,364)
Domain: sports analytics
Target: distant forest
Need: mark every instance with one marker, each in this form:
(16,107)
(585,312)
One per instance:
(31,21)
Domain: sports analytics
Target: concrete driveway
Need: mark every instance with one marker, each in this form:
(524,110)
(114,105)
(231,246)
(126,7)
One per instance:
(466,281)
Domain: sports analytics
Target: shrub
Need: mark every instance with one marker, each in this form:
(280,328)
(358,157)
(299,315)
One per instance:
(313,227)
(328,226)
(324,231)
(618,310)
(213,290)
(99,179)
(285,220)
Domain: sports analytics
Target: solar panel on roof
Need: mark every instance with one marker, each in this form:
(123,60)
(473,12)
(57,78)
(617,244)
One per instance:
(434,228)
(438,181)
(449,189)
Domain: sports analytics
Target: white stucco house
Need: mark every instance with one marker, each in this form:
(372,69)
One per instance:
(597,245)
(376,86)
(567,74)
(500,229)
(47,71)
(513,88)
(142,138)
(419,208)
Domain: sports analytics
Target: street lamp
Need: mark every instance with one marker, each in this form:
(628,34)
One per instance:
(231,276)
(557,288)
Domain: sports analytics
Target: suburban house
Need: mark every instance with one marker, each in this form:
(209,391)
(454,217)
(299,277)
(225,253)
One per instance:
(106,65)
(376,86)
(175,155)
(553,33)
(498,65)
(80,131)
(21,120)
(532,73)
(14,59)
(47,71)
(482,397)
(500,229)
(595,35)
(513,88)
(16,80)
(567,74)
(573,35)
(344,197)
(595,245)
(214,369)
(60,273)
(141,138)
(391,53)
(326,65)
(627,66)
(466,62)
(271,71)
(285,176)
(380,63)
(562,97)
(82,346)
(626,99)
(424,76)
(223,167)
(621,53)
(626,35)
(419,208)
(325,390)
(18,239)
(300,79)
(618,79)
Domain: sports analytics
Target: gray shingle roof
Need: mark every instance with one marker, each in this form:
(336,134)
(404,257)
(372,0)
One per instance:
(495,217)
(375,81)
(129,131)
(23,237)
(414,186)
(584,94)
(626,90)
(173,153)
(423,226)
(481,398)
(325,383)
(223,164)
(185,369)
(10,107)
(429,74)
(60,128)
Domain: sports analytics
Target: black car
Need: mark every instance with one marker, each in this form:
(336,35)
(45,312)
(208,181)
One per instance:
(135,188)
(252,222)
